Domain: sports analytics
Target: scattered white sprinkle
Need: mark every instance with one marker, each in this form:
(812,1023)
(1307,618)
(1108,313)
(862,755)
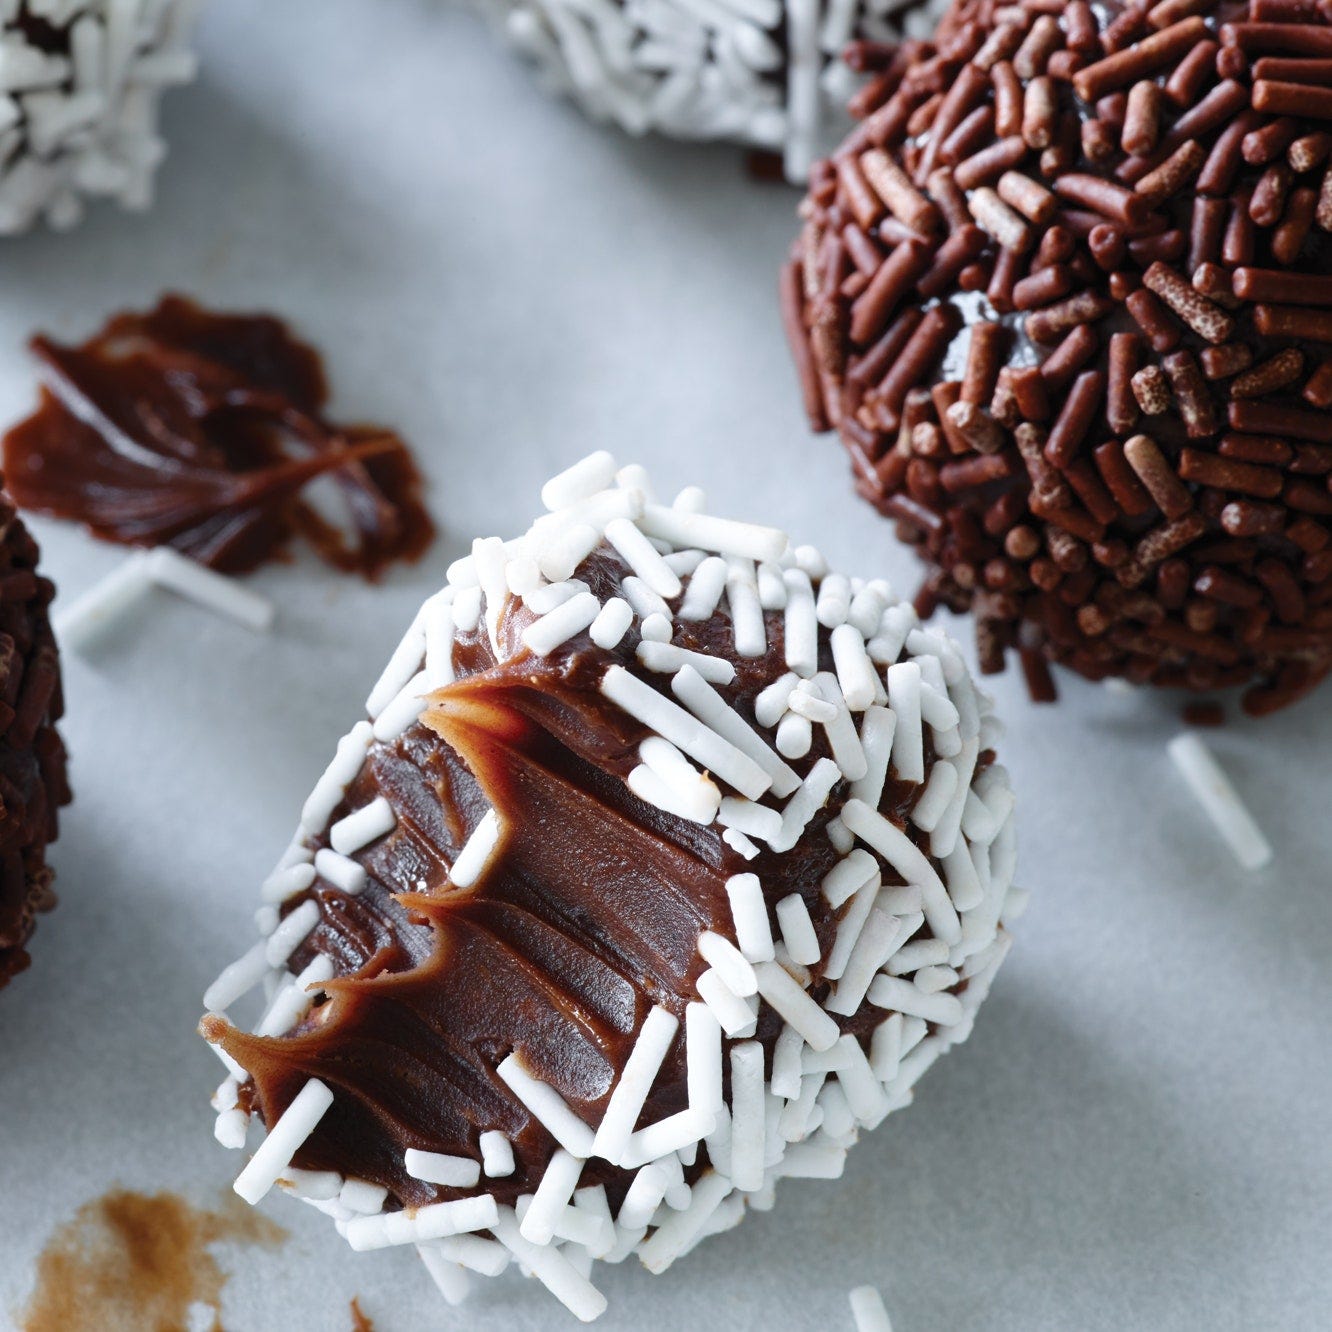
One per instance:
(432,1222)
(291,933)
(735,1016)
(612,623)
(724,535)
(583,479)
(363,826)
(556,627)
(703,1059)
(237,979)
(103,603)
(1218,797)
(749,914)
(496,1154)
(630,1094)
(795,1006)
(641,557)
(449,1278)
(341,871)
(668,658)
(798,930)
(553,1193)
(868,1311)
(728,962)
(747,1115)
(552,1269)
(206,587)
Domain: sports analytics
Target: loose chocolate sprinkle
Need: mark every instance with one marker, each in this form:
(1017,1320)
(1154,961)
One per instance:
(198,430)
(33,783)
(1112,441)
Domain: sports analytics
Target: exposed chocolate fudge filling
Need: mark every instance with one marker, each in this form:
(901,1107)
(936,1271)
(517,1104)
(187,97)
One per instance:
(589,916)
(200,430)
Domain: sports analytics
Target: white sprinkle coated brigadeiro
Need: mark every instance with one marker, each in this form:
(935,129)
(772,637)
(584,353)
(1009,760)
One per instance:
(767,702)
(766,73)
(80,121)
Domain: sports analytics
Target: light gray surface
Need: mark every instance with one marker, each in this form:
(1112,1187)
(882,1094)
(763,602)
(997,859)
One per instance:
(1138,1133)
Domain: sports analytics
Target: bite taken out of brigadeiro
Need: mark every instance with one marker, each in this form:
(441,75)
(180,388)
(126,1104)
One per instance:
(33,784)
(1066,294)
(663,864)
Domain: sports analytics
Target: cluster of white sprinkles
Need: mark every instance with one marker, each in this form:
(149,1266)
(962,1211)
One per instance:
(766,73)
(80,82)
(920,920)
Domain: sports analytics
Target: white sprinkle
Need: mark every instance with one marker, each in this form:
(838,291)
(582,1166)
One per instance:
(706,584)
(293,1001)
(402,666)
(729,963)
(103,603)
(363,826)
(283,1141)
(849,927)
(772,701)
(673,1134)
(643,599)
(449,1278)
(794,735)
(703,1059)
(237,979)
(340,871)
(935,797)
(683,562)
(552,1269)
(642,558)
(909,861)
(814,1160)
(807,701)
(923,953)
(643,1197)
(747,1115)
(231,1128)
(730,1010)
(902,995)
(432,1222)
(1215,792)
(677,1231)
(834,600)
(673,723)
(724,535)
(472,1251)
(795,1006)
(841,730)
(868,1311)
(867,607)
(801,628)
(362,1197)
(551,1197)
(403,711)
(749,914)
(771,586)
(847,876)
(667,657)
(747,622)
(876,740)
(580,481)
(807,802)
(287,883)
(692,499)
(588,1221)
(213,591)
(562,549)
(522,574)
(908,740)
(549,1108)
(873,948)
(467,609)
(476,851)
(543,636)
(886,1048)
(634,476)
(863,1093)
(451,1172)
(612,623)
(489,559)
(749,817)
(544,599)
(291,933)
(798,930)
(713,711)
(738,842)
(340,773)
(855,671)
(800,1116)
(653,1043)
(896,623)
(696,800)
(496,1154)
(655,629)
(931,980)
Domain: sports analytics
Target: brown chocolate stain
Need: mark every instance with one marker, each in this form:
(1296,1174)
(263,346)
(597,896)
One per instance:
(137,1262)
(360,1322)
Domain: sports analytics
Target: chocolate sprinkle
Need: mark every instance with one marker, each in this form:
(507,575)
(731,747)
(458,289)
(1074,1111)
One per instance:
(1079,348)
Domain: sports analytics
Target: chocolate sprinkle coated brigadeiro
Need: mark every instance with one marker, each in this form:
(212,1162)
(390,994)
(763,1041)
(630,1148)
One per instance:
(33,785)
(1065,295)
(665,863)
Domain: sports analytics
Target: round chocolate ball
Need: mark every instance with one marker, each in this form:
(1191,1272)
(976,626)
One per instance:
(1066,295)
(664,863)
(32,759)
(771,74)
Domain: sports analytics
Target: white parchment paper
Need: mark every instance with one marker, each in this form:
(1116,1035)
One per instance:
(1137,1135)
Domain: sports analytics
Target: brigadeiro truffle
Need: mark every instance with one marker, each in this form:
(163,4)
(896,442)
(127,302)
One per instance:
(665,862)
(79,86)
(768,73)
(1065,295)
(32,759)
